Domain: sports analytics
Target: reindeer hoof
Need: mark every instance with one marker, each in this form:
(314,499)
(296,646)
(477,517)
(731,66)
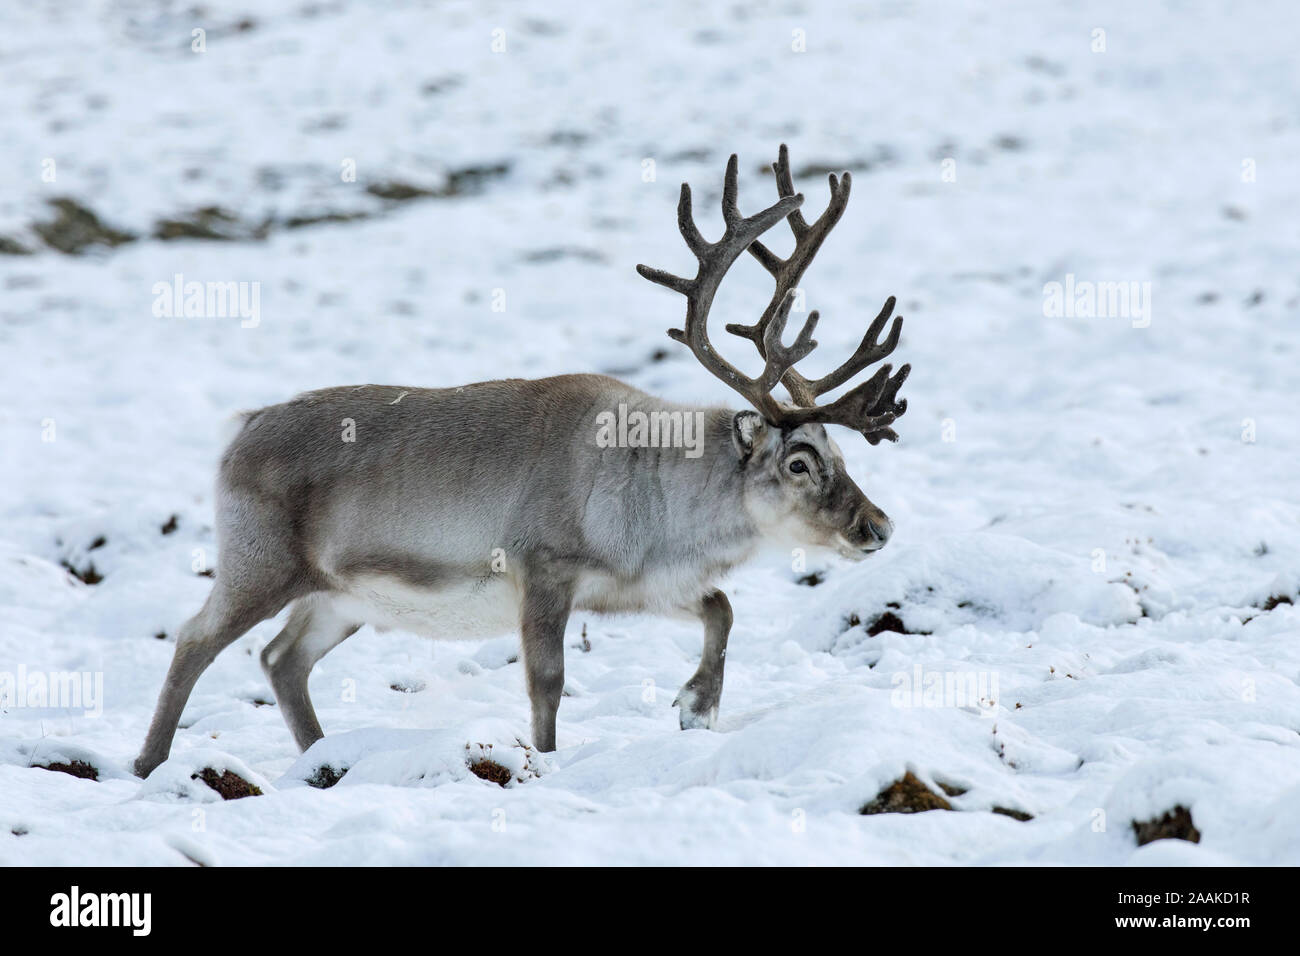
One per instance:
(695,714)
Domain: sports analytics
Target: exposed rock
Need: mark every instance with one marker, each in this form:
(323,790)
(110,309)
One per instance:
(325,777)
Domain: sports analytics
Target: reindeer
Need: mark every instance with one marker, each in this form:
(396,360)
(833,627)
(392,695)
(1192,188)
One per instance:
(472,511)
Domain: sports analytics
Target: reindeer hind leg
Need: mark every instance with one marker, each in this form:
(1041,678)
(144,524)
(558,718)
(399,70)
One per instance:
(259,572)
(314,629)
(225,617)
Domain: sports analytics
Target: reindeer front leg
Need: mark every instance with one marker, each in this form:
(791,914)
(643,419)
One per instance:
(699,697)
(548,598)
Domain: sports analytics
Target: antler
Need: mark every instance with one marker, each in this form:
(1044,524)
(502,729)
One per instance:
(715,258)
(871,407)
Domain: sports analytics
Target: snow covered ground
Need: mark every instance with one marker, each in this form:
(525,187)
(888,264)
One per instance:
(1092,511)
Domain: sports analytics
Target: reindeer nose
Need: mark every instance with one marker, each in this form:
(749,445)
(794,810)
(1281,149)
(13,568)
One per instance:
(875,530)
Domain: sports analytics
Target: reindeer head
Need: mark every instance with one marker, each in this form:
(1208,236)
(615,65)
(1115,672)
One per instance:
(796,485)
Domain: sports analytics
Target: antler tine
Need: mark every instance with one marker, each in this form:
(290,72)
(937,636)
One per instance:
(870,408)
(785,187)
(715,258)
(788,272)
(780,358)
(808,239)
(731,193)
(686,223)
(869,352)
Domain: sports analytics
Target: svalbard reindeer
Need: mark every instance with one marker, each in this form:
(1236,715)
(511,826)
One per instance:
(472,511)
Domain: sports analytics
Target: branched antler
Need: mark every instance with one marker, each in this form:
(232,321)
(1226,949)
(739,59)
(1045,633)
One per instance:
(871,407)
(715,258)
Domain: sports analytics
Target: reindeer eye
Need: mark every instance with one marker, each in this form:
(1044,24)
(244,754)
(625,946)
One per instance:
(797,467)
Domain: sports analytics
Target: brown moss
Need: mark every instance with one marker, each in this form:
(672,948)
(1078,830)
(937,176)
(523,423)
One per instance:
(1274,600)
(12,247)
(210,222)
(75,228)
(1176,824)
(300,222)
(398,192)
(468,180)
(487,769)
(86,575)
(1014,814)
(230,785)
(465,181)
(77,768)
(906,795)
(889,621)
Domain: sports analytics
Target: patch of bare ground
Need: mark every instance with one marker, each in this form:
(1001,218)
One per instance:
(479,760)
(1176,824)
(77,768)
(906,795)
(230,785)
(488,769)
(909,795)
(325,777)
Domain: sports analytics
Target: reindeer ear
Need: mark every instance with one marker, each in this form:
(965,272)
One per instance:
(746,431)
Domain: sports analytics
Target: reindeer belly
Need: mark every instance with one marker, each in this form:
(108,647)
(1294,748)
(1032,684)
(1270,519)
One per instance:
(664,590)
(465,608)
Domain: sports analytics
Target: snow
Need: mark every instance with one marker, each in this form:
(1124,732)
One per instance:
(1090,512)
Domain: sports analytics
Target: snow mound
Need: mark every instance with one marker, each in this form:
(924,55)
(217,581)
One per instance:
(993,581)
